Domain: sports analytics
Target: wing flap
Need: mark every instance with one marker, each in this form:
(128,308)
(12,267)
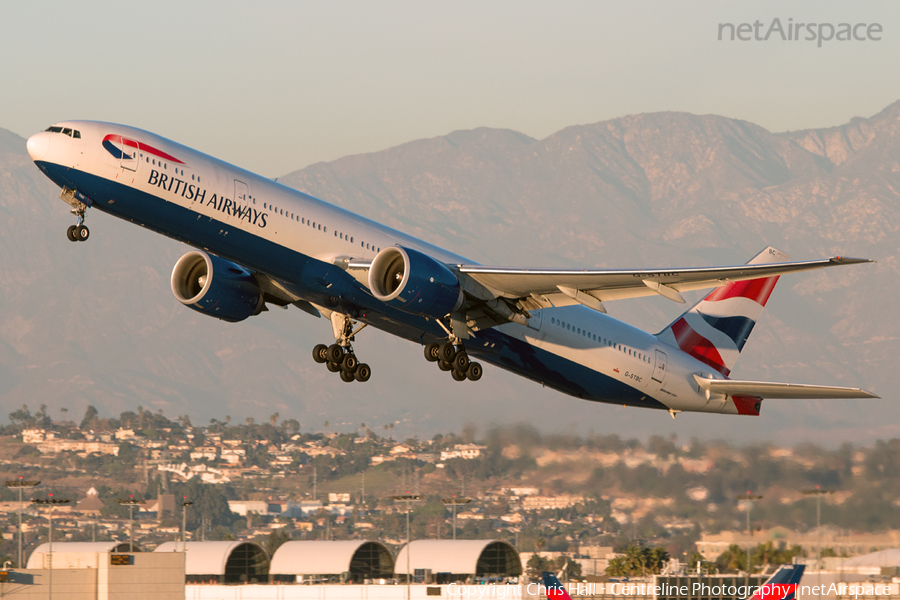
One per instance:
(770,389)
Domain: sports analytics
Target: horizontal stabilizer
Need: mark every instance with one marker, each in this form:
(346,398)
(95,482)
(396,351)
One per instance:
(769,389)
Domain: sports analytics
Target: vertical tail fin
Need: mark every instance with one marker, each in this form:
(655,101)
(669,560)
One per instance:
(555,590)
(782,585)
(715,329)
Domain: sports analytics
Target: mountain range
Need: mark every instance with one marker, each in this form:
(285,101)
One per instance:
(96,323)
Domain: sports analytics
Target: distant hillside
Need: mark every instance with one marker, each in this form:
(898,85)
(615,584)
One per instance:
(96,323)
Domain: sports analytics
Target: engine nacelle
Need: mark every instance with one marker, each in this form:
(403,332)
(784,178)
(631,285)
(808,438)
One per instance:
(216,287)
(414,282)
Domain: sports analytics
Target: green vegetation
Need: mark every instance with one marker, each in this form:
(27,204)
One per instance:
(638,561)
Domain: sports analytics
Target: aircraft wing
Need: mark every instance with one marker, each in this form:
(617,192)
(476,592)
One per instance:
(616,284)
(769,389)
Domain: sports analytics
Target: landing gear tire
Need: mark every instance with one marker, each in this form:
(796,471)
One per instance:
(363,372)
(347,377)
(332,366)
(447,351)
(70,233)
(320,354)
(461,362)
(457,376)
(474,372)
(433,352)
(82,233)
(443,365)
(350,364)
(335,354)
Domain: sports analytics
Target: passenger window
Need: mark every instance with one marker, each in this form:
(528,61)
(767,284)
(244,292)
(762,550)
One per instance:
(351,239)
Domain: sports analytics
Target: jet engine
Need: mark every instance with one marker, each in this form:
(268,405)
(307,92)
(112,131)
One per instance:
(216,287)
(414,282)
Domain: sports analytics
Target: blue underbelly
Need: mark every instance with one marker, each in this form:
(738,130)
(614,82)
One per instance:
(329,286)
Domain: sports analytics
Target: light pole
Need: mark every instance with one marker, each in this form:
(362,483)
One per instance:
(749,499)
(184,504)
(407,498)
(130,502)
(21,484)
(453,501)
(52,503)
(818,493)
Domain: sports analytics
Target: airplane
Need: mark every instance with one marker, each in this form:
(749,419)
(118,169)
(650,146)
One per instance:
(782,585)
(258,243)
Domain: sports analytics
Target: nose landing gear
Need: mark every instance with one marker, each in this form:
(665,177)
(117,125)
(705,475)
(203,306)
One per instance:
(78,232)
(452,357)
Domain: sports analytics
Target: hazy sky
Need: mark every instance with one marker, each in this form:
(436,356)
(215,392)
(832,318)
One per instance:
(275,86)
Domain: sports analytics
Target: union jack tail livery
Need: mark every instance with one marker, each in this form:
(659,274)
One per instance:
(782,585)
(555,589)
(715,329)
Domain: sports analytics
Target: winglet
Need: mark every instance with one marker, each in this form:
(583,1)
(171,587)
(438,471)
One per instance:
(847,260)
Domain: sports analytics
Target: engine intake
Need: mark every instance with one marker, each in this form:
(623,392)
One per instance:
(414,282)
(216,287)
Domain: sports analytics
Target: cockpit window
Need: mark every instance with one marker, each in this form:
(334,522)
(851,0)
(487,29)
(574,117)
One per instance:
(72,133)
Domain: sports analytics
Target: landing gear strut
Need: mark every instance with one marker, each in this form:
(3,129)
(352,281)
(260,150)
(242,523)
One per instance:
(339,357)
(451,356)
(80,232)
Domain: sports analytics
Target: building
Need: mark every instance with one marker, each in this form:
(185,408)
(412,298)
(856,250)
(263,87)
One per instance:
(447,561)
(90,505)
(812,541)
(98,570)
(316,561)
(464,451)
(75,555)
(550,502)
(220,562)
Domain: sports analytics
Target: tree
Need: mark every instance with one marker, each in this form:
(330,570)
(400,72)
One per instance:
(571,568)
(696,559)
(537,564)
(89,415)
(732,560)
(639,560)
(276,539)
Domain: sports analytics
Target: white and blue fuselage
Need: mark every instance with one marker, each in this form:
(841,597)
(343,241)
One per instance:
(302,243)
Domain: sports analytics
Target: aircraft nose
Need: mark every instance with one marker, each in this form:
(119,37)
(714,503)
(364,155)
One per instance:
(38,145)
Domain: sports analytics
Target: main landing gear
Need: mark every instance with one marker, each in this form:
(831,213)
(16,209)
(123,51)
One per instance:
(339,357)
(452,357)
(80,232)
